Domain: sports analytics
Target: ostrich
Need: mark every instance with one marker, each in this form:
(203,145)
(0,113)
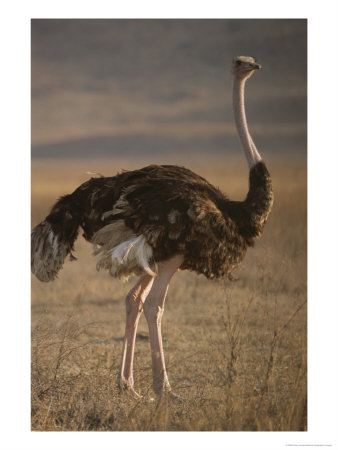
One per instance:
(153,221)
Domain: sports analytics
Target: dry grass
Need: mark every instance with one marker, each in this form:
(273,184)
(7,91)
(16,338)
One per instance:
(236,351)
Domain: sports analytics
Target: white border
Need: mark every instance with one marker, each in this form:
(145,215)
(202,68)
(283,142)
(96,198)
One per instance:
(15,213)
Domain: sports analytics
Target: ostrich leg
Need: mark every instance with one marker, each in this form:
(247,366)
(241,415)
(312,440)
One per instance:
(134,306)
(153,310)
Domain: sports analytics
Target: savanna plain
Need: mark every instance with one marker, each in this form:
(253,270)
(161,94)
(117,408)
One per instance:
(236,351)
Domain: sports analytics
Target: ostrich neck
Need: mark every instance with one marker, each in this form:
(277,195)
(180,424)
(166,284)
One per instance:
(251,153)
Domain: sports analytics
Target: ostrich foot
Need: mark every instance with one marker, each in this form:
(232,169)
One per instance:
(134,394)
(169,394)
(129,389)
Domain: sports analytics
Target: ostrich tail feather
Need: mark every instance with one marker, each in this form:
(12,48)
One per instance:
(48,252)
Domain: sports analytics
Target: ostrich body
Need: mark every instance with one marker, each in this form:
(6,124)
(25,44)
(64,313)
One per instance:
(153,221)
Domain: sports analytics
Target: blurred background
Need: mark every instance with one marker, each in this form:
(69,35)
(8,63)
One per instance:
(134,88)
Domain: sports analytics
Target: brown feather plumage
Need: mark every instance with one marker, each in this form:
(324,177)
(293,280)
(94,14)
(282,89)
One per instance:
(176,210)
(179,212)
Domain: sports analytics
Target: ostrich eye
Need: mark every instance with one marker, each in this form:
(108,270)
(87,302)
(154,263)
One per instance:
(238,63)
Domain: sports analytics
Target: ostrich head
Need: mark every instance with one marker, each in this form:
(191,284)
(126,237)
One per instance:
(244,66)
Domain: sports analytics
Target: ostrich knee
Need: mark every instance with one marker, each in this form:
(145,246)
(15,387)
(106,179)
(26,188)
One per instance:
(153,314)
(134,304)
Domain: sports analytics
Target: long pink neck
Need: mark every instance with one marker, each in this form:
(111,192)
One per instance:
(251,153)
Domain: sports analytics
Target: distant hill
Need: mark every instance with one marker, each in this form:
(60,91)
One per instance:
(135,146)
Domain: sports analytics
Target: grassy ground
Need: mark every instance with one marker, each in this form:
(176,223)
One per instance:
(236,351)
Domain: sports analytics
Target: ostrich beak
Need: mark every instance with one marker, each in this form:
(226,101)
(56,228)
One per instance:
(256,66)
